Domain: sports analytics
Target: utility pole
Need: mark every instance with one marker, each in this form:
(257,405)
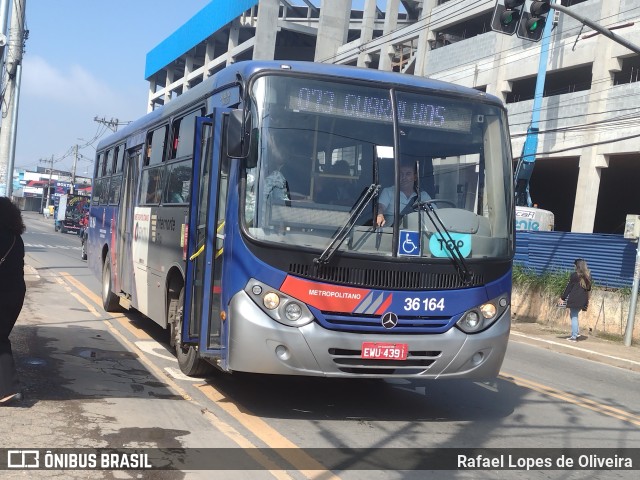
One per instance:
(4,14)
(530,147)
(112,124)
(73,170)
(42,203)
(13,74)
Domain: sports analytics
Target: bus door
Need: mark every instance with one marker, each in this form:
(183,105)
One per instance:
(125,219)
(206,223)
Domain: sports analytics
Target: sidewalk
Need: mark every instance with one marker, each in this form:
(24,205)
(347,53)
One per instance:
(611,352)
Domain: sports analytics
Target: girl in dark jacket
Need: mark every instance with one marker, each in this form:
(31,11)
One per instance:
(12,291)
(576,294)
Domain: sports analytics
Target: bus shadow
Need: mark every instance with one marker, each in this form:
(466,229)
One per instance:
(368,399)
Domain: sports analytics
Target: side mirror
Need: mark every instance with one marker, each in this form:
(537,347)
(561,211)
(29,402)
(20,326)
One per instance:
(237,139)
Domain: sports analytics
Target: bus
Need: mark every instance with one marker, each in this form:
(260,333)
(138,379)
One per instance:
(242,216)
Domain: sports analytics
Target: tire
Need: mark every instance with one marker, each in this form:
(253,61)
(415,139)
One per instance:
(63,230)
(188,357)
(110,301)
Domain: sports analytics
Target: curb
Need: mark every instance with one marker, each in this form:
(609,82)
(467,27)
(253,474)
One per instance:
(30,274)
(586,353)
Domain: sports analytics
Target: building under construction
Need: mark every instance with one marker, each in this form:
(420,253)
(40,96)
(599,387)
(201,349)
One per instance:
(588,157)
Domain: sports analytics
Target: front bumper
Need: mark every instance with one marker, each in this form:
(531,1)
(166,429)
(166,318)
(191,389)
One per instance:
(259,344)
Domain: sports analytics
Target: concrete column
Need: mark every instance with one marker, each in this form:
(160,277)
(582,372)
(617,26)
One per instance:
(423,43)
(266,30)
(591,162)
(152,91)
(390,24)
(498,83)
(366,33)
(333,29)
(188,68)
(234,40)
(209,55)
(584,211)
(169,80)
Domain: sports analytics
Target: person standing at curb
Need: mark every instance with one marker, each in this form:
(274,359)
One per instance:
(576,294)
(12,292)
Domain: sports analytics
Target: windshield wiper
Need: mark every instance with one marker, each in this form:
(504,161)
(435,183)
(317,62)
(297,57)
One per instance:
(341,235)
(454,251)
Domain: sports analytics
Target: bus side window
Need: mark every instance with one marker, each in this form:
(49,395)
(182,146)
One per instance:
(119,158)
(151,188)
(104,190)
(179,182)
(186,133)
(108,169)
(114,189)
(99,163)
(96,191)
(156,143)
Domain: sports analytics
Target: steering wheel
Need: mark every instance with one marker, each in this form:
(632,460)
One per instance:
(442,200)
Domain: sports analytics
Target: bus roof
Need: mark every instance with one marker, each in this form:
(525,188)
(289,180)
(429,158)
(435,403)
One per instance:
(246,69)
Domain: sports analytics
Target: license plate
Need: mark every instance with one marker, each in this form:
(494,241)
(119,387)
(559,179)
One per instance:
(385,351)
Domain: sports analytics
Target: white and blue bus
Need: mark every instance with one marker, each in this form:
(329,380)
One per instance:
(243,216)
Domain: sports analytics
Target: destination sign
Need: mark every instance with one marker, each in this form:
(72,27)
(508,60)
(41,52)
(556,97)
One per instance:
(420,111)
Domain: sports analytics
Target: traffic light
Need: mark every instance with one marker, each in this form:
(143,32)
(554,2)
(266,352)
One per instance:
(506,15)
(532,23)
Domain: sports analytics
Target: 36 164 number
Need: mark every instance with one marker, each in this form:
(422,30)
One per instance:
(423,304)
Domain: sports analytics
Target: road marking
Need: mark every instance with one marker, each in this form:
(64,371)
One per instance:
(119,317)
(242,442)
(64,247)
(271,437)
(226,429)
(150,347)
(574,399)
(177,374)
(87,305)
(551,342)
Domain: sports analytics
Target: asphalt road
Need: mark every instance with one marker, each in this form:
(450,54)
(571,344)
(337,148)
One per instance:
(100,380)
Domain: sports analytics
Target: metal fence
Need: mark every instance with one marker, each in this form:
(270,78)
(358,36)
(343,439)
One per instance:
(611,258)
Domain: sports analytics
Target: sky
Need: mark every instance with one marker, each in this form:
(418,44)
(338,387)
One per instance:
(85,59)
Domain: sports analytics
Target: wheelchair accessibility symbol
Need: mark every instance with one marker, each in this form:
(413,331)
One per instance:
(409,243)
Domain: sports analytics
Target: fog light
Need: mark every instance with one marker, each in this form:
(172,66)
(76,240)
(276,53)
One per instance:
(477,358)
(283,352)
(293,311)
(271,300)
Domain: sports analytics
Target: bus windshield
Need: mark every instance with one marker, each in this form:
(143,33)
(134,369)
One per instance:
(320,145)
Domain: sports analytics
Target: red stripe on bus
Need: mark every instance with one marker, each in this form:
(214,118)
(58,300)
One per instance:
(385,305)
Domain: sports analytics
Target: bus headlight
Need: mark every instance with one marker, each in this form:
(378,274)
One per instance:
(293,311)
(271,300)
(488,310)
(483,316)
(469,321)
(280,307)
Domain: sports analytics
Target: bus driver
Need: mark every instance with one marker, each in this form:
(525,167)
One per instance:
(408,195)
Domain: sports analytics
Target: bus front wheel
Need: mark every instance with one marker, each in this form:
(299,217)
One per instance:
(188,357)
(110,301)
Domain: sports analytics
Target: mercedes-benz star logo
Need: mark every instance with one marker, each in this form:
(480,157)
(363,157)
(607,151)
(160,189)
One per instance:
(389,320)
